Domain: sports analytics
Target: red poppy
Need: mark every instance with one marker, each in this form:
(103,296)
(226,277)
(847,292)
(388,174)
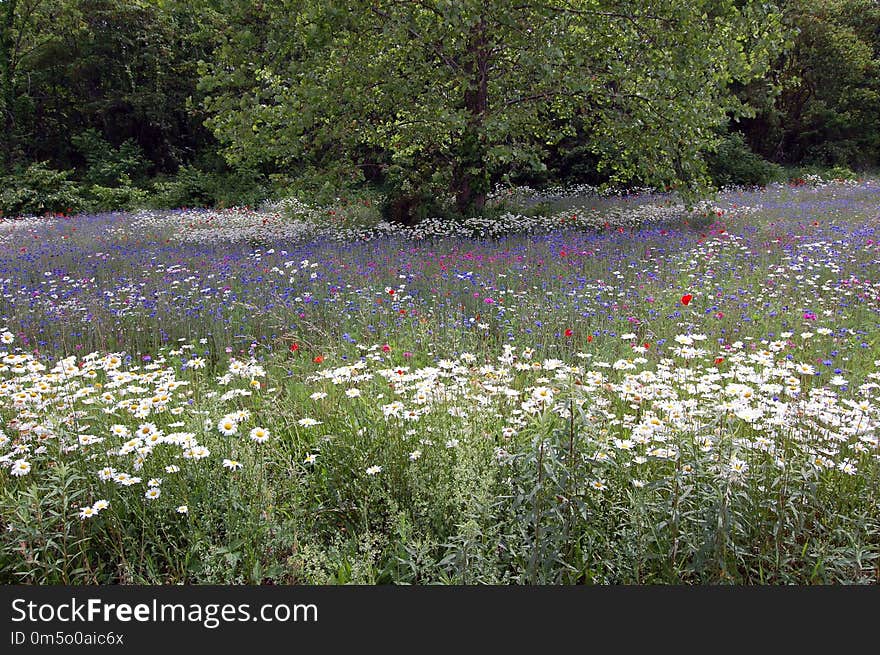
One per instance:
(568,333)
(319,359)
(590,338)
(647,345)
(718,360)
(686,299)
(294,347)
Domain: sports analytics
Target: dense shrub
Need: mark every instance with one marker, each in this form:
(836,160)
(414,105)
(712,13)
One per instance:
(107,166)
(195,187)
(189,188)
(733,163)
(122,196)
(39,189)
(842,173)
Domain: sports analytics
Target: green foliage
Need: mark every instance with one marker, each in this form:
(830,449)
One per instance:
(733,163)
(50,544)
(190,187)
(108,166)
(575,162)
(821,104)
(109,172)
(358,210)
(841,173)
(196,187)
(122,196)
(431,103)
(77,74)
(40,189)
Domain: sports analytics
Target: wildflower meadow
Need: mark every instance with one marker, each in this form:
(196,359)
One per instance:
(613,389)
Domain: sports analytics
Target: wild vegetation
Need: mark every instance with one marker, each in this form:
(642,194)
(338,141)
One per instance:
(567,292)
(628,391)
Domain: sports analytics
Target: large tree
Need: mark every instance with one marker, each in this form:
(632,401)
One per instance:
(439,94)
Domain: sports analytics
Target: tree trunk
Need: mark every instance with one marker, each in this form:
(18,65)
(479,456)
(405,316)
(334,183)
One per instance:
(470,179)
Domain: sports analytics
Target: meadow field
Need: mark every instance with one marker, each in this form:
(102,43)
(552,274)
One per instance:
(613,389)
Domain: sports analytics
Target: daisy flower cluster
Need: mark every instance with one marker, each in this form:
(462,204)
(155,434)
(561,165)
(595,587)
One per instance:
(132,426)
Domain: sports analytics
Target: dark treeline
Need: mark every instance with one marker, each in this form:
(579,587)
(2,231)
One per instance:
(123,103)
